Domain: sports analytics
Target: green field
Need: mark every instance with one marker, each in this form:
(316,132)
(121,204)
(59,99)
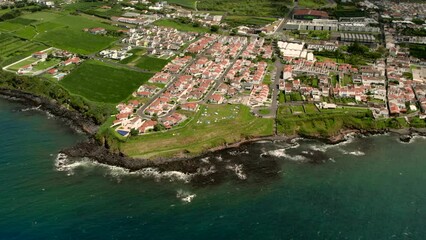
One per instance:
(100,82)
(183,3)
(219,125)
(60,30)
(234,21)
(13,49)
(151,64)
(312,3)
(259,8)
(180,26)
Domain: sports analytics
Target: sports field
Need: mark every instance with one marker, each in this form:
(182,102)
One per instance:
(100,82)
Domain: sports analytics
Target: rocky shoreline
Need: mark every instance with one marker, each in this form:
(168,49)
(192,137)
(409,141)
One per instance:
(94,150)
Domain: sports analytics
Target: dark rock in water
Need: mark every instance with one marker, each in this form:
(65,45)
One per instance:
(405,138)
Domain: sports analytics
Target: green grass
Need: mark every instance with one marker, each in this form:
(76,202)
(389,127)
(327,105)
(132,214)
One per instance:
(13,49)
(259,8)
(151,64)
(17,66)
(312,3)
(180,26)
(100,82)
(234,21)
(9,26)
(201,133)
(183,3)
(27,32)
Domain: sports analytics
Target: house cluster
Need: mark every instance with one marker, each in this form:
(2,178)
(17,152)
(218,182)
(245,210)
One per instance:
(159,40)
(116,54)
(404,10)
(96,31)
(201,44)
(258,48)
(295,50)
(203,19)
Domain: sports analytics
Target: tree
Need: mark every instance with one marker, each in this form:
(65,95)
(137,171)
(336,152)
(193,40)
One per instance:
(159,127)
(214,28)
(134,132)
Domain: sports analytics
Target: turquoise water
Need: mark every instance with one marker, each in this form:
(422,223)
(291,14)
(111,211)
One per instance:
(368,188)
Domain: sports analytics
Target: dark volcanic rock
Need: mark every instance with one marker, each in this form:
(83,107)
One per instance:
(405,138)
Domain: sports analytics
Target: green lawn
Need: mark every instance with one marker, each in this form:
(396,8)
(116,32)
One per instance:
(312,3)
(13,49)
(259,8)
(151,64)
(220,124)
(234,21)
(100,82)
(17,66)
(180,26)
(183,3)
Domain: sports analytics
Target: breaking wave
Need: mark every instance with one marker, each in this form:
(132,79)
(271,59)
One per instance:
(238,170)
(185,196)
(281,153)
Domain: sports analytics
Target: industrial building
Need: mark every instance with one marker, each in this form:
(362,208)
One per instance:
(316,24)
(356,37)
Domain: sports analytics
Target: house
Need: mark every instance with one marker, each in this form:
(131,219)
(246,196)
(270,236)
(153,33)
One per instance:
(190,106)
(52,71)
(97,30)
(25,69)
(74,60)
(40,55)
(216,98)
(147,125)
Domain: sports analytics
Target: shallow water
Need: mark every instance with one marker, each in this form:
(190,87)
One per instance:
(365,188)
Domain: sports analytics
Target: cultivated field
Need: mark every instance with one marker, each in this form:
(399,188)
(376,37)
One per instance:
(151,64)
(13,49)
(213,125)
(60,30)
(100,82)
(264,8)
(180,26)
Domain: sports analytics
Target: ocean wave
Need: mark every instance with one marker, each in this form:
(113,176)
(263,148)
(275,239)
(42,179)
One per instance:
(185,196)
(64,164)
(349,138)
(205,159)
(236,153)
(238,170)
(355,153)
(31,109)
(281,153)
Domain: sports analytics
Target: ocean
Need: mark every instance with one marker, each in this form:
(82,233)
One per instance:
(364,188)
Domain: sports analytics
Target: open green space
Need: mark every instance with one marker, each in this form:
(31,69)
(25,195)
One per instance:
(183,3)
(151,64)
(313,3)
(101,82)
(17,66)
(13,49)
(61,30)
(234,21)
(259,8)
(212,126)
(185,27)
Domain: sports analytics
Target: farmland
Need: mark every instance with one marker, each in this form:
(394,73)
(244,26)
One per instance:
(259,8)
(180,26)
(213,125)
(183,3)
(60,30)
(100,82)
(248,20)
(151,64)
(13,49)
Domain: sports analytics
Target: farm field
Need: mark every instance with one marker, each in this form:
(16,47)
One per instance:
(259,8)
(101,82)
(212,125)
(180,26)
(233,20)
(313,3)
(13,49)
(183,3)
(60,30)
(151,64)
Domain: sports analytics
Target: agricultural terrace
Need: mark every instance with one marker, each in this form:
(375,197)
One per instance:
(101,82)
(60,30)
(13,49)
(183,3)
(212,126)
(234,21)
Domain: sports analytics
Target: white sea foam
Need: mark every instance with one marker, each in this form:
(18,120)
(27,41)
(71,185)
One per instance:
(219,158)
(355,153)
(185,196)
(235,152)
(238,170)
(281,153)
(64,164)
(205,160)
(31,109)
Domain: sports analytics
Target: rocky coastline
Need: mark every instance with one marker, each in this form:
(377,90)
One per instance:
(94,150)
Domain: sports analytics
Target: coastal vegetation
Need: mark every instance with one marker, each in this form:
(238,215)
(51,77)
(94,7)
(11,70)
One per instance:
(101,82)
(212,126)
(98,112)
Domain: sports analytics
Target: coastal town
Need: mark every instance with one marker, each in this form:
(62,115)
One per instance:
(307,62)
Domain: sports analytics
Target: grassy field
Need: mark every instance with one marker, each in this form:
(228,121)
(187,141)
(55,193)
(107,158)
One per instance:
(324,123)
(100,82)
(212,126)
(234,21)
(259,8)
(13,49)
(312,3)
(151,64)
(60,30)
(183,3)
(180,26)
